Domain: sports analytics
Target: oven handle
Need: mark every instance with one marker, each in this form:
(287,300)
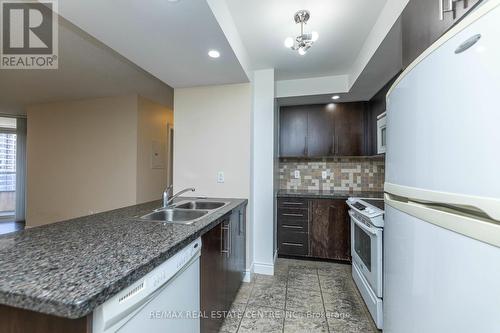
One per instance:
(362,225)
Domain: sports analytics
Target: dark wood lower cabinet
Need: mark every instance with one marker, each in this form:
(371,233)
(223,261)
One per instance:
(330,231)
(14,320)
(222,268)
(318,228)
(212,279)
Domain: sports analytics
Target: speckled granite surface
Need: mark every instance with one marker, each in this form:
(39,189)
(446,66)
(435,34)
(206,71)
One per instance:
(327,194)
(69,268)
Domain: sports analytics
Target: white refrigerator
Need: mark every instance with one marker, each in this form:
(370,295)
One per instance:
(442,217)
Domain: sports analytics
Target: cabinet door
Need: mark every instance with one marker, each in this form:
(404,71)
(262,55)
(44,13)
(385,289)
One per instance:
(329,234)
(421,24)
(234,271)
(320,131)
(293,131)
(213,278)
(240,243)
(349,128)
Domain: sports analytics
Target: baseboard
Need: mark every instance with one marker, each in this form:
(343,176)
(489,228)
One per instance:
(248,274)
(265,269)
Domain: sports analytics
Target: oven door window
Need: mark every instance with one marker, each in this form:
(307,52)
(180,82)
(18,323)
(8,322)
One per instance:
(363,246)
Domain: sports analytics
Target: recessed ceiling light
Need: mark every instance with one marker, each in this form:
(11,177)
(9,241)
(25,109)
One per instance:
(213,54)
(335,97)
(173,0)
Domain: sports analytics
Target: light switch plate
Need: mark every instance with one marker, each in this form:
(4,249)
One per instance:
(220,177)
(296,174)
(324,174)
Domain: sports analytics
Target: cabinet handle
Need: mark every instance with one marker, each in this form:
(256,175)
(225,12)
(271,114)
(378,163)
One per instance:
(292,226)
(229,241)
(240,222)
(292,244)
(291,214)
(332,150)
(305,145)
(442,9)
(223,247)
(222,243)
(293,203)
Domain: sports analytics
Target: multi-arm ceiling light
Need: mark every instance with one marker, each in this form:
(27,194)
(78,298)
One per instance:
(304,41)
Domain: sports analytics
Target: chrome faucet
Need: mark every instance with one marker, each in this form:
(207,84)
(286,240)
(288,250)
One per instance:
(168,195)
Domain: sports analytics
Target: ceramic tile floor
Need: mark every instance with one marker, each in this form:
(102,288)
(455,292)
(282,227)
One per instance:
(302,296)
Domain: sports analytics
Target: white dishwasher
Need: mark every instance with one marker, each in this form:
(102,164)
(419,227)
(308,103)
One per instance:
(166,299)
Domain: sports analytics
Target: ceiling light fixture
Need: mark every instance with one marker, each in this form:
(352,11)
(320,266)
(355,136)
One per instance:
(304,41)
(213,54)
(335,97)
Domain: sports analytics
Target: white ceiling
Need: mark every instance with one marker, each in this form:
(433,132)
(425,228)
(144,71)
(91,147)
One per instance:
(382,67)
(168,39)
(87,69)
(343,26)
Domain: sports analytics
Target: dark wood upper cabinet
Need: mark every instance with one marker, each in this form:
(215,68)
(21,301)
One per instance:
(329,234)
(320,131)
(293,131)
(349,129)
(421,24)
(323,130)
(376,106)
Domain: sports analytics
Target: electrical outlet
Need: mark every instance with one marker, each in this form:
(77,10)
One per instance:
(324,174)
(220,177)
(296,174)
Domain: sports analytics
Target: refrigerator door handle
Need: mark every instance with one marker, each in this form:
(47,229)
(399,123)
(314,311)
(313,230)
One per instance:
(479,228)
(483,205)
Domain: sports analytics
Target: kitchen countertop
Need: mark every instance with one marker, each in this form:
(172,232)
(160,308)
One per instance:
(327,194)
(69,268)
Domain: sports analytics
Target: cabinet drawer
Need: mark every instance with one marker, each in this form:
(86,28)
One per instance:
(293,225)
(293,203)
(293,214)
(293,243)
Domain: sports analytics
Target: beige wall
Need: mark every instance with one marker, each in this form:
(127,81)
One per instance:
(89,156)
(152,126)
(212,133)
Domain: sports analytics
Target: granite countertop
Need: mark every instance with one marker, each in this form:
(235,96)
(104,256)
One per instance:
(69,268)
(327,194)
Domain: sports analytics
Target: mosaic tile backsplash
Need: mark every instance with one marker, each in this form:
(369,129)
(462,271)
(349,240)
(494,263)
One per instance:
(342,174)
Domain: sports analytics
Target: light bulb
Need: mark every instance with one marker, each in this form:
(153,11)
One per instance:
(302,51)
(289,42)
(314,36)
(213,54)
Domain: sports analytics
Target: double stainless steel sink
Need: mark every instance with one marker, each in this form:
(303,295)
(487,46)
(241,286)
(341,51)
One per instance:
(184,212)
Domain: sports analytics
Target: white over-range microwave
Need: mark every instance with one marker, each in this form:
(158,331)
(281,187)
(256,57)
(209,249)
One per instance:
(381,133)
